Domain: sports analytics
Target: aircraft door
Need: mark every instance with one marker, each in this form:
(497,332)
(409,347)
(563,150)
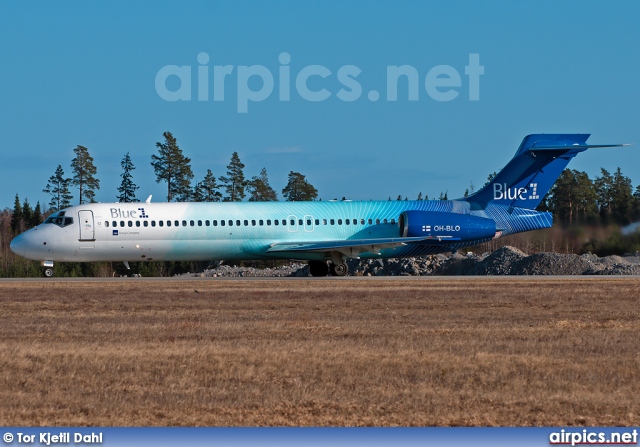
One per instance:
(308,223)
(292,223)
(87,231)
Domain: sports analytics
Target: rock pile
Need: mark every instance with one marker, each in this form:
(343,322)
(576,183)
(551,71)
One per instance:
(233,271)
(504,261)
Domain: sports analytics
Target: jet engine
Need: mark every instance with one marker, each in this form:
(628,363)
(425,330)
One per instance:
(453,226)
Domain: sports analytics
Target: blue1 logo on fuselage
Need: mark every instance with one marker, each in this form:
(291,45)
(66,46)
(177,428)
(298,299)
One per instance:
(117,213)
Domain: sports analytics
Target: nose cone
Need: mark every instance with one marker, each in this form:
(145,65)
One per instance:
(19,245)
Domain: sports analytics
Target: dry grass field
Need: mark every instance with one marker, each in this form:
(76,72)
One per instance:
(449,351)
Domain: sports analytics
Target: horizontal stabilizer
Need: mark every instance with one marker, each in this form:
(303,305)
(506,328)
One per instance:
(574,146)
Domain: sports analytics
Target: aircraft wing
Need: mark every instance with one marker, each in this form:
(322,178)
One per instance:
(353,247)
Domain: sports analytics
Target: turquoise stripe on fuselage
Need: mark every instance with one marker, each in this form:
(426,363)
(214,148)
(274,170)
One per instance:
(304,222)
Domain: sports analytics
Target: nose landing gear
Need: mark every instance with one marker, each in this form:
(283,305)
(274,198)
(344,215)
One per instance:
(48,269)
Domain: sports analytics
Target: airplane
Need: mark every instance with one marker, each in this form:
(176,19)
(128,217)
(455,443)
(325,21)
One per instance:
(325,234)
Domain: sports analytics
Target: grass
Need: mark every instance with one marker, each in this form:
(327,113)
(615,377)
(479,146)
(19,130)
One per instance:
(316,353)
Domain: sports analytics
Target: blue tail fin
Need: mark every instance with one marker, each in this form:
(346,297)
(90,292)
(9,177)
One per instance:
(527,178)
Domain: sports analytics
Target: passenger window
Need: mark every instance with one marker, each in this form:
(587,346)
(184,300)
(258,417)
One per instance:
(146,223)
(206,223)
(309,222)
(153,223)
(215,223)
(370,221)
(284,222)
(393,221)
(184,223)
(168,223)
(230,223)
(237,223)
(115,224)
(261,222)
(384,221)
(199,223)
(299,221)
(222,223)
(317,221)
(176,223)
(268,222)
(339,221)
(253,223)
(361,221)
(192,223)
(122,223)
(161,223)
(377,221)
(246,223)
(137,223)
(346,221)
(130,224)
(276,222)
(106,224)
(324,221)
(333,222)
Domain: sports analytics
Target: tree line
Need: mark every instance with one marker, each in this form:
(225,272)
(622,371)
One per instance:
(171,166)
(576,200)
(606,199)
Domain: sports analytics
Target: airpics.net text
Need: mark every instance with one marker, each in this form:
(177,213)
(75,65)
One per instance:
(256,83)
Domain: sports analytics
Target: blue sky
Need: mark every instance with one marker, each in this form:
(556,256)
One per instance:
(84,73)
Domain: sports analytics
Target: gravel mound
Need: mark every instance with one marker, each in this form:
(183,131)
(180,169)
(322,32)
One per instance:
(235,272)
(500,262)
(504,261)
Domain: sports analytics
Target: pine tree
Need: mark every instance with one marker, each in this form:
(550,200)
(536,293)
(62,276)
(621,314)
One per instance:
(207,189)
(84,173)
(419,197)
(58,187)
(171,166)
(635,215)
(490,178)
(17,217)
(621,198)
(234,182)
(27,214)
(604,186)
(36,217)
(573,198)
(399,197)
(127,188)
(260,190)
(298,189)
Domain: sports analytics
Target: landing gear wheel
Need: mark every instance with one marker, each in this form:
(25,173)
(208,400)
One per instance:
(48,273)
(339,269)
(318,268)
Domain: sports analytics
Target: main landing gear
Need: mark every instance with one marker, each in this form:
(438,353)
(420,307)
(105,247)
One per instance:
(321,268)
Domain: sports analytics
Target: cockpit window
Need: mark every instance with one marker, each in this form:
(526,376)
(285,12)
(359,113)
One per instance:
(59,220)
